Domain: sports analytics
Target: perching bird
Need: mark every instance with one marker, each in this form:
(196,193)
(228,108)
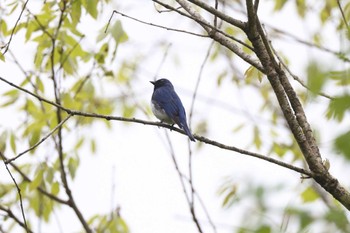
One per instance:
(166,105)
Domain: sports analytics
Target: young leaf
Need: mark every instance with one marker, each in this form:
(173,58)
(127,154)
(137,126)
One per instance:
(342,144)
(309,195)
(338,106)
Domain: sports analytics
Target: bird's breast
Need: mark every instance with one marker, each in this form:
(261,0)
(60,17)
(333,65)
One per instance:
(160,113)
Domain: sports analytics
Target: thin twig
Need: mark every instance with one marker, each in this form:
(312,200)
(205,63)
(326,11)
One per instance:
(39,142)
(215,16)
(310,44)
(295,77)
(189,201)
(152,24)
(18,191)
(14,28)
(10,214)
(343,16)
(209,28)
(198,81)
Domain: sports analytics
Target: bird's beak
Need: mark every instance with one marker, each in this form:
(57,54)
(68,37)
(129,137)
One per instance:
(152,82)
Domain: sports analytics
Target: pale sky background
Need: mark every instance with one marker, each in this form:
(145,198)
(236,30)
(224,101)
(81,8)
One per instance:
(133,168)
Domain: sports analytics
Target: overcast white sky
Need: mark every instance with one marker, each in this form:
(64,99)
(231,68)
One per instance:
(133,168)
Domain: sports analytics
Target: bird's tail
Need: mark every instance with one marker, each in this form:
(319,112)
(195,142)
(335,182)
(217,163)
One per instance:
(188,132)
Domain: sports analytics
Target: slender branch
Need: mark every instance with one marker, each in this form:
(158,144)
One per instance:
(293,111)
(310,44)
(151,24)
(189,201)
(14,28)
(343,16)
(10,214)
(19,194)
(219,14)
(198,81)
(211,29)
(219,37)
(215,16)
(295,77)
(39,142)
(71,201)
(134,120)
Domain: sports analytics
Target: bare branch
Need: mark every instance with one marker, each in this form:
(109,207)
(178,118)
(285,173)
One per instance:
(14,28)
(343,16)
(10,214)
(219,14)
(219,36)
(198,81)
(200,138)
(211,29)
(295,77)
(151,24)
(189,201)
(293,111)
(39,142)
(24,224)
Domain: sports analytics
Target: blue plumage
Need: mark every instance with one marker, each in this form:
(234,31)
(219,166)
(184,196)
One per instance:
(167,106)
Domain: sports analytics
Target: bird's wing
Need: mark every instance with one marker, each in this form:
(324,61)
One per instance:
(171,103)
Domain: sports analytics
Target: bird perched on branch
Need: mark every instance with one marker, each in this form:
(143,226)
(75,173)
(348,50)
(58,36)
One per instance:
(167,106)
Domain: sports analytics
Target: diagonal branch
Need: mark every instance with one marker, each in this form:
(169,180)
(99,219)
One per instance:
(343,16)
(14,28)
(39,142)
(159,124)
(151,24)
(10,214)
(217,13)
(214,32)
(24,224)
(293,110)
(218,37)
(188,199)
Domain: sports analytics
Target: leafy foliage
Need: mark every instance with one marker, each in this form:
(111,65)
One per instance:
(69,72)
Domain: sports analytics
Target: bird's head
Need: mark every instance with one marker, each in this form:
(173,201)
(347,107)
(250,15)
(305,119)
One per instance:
(162,83)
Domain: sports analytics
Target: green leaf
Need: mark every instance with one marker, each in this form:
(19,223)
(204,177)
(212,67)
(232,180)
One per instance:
(3,28)
(39,84)
(73,164)
(238,127)
(91,7)
(263,229)
(279,4)
(342,144)
(13,142)
(301,7)
(257,139)
(3,139)
(76,12)
(316,78)
(118,33)
(34,138)
(79,143)
(2,57)
(252,73)
(93,146)
(338,106)
(128,111)
(37,180)
(55,188)
(309,195)
(338,217)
